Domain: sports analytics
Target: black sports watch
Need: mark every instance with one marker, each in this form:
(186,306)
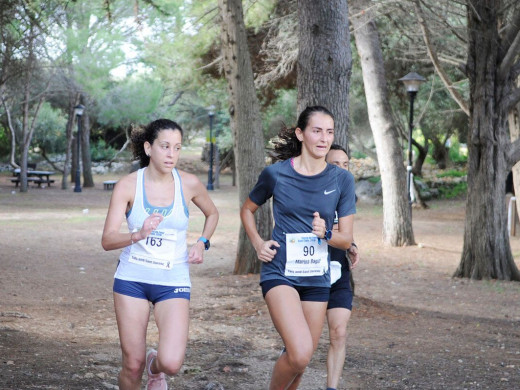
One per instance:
(328,235)
(205,241)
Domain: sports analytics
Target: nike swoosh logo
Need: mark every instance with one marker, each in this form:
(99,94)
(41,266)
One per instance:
(328,192)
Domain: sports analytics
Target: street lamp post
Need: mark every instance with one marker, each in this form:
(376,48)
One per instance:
(78,110)
(411,81)
(211,114)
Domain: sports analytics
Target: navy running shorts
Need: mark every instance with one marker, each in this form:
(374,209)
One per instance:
(341,292)
(151,292)
(307,293)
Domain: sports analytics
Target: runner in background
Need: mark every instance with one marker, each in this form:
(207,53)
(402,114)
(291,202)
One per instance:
(295,276)
(341,291)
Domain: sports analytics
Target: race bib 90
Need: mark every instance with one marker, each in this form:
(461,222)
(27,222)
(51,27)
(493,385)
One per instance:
(305,256)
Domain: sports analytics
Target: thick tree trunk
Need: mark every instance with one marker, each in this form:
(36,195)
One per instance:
(486,251)
(325,60)
(88,180)
(397,223)
(246,125)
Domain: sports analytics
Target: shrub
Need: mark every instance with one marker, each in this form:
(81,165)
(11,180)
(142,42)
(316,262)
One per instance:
(452,173)
(100,151)
(454,191)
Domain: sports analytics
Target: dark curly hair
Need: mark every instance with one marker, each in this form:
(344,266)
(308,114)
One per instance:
(288,145)
(149,133)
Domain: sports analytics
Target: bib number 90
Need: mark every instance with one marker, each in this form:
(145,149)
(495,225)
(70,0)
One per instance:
(308,250)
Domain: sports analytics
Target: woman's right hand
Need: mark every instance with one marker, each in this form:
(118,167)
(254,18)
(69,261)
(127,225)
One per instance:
(265,252)
(149,225)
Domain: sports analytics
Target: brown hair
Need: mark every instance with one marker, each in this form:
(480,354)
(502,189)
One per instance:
(288,145)
(140,135)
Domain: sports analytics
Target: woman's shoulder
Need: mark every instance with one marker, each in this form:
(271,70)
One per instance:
(131,178)
(278,165)
(127,184)
(188,179)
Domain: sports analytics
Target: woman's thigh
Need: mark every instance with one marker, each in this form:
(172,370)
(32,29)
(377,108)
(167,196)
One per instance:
(172,319)
(132,316)
(297,328)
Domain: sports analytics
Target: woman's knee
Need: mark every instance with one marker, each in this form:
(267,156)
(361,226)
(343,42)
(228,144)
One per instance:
(300,358)
(170,365)
(338,334)
(133,367)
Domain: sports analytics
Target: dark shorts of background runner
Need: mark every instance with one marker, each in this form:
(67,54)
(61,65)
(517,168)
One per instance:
(341,294)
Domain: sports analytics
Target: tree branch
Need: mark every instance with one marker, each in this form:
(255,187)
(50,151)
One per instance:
(512,99)
(435,60)
(509,58)
(511,29)
(513,154)
(515,71)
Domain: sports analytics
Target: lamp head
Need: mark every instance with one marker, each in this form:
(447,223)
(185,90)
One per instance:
(78,110)
(412,81)
(211,110)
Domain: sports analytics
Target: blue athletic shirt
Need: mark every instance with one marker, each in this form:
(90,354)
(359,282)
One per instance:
(295,199)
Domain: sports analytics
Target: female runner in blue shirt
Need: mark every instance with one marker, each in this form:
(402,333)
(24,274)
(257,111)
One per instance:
(154,264)
(295,277)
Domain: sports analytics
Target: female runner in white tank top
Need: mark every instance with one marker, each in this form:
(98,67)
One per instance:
(154,264)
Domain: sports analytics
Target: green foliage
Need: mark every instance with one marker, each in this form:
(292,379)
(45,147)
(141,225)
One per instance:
(5,146)
(458,153)
(452,173)
(133,100)
(454,191)
(100,151)
(49,132)
(357,154)
(257,12)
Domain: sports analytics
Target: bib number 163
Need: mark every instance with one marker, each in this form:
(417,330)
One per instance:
(153,241)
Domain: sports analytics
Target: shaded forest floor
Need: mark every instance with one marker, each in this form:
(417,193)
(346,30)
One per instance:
(413,325)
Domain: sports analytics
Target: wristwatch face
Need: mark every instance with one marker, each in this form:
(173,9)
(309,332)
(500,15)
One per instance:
(328,235)
(206,245)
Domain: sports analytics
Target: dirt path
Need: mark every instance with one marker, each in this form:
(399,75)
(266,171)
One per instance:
(413,326)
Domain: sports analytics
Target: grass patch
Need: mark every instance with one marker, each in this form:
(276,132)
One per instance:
(374,179)
(452,173)
(455,191)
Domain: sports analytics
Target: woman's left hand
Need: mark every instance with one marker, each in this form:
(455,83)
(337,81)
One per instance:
(196,253)
(318,225)
(354,256)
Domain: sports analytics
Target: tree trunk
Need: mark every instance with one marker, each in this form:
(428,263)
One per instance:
(397,218)
(514,131)
(419,161)
(68,154)
(440,153)
(246,126)
(88,180)
(486,251)
(325,60)
(12,153)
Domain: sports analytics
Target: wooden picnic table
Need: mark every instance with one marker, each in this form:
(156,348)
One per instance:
(38,177)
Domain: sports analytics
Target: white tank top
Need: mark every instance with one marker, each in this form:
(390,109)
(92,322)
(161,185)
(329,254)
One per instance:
(162,257)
